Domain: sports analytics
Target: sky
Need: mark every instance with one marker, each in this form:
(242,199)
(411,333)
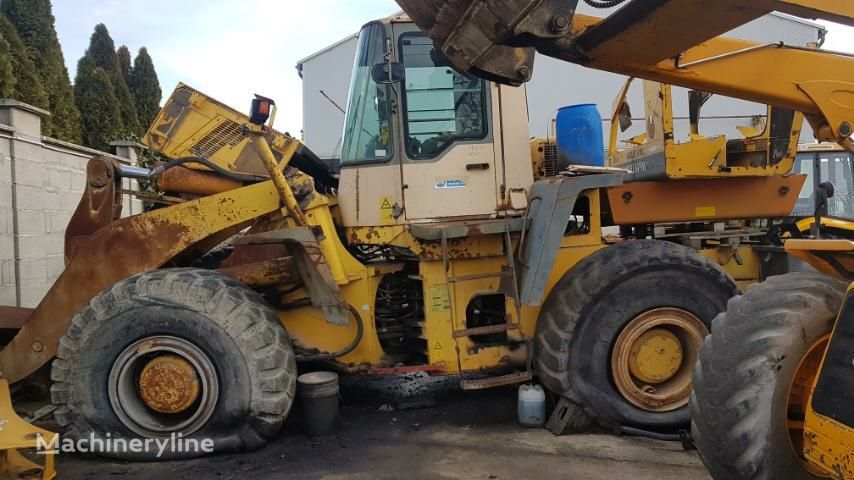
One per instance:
(228,49)
(231,49)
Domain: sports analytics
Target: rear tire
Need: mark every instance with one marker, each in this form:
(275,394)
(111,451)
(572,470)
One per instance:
(586,312)
(241,356)
(746,369)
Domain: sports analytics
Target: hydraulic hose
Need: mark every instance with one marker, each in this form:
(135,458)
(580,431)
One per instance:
(139,173)
(603,3)
(360,330)
(207,163)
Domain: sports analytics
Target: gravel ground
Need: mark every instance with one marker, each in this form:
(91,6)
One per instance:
(467,435)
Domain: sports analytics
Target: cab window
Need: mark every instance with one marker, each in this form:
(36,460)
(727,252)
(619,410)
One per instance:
(367,134)
(442,105)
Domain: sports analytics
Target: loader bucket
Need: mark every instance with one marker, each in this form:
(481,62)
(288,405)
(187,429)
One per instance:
(16,434)
(492,39)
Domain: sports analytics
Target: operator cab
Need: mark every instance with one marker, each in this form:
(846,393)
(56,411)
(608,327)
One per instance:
(825,163)
(424,142)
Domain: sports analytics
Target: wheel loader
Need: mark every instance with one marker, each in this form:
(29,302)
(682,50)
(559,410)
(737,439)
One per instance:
(440,248)
(774,406)
(772,387)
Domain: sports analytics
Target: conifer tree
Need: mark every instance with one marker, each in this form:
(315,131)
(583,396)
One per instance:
(28,86)
(102,51)
(34,22)
(145,88)
(123,55)
(96,100)
(7,74)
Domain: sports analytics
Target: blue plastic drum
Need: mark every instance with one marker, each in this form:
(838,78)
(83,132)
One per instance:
(579,136)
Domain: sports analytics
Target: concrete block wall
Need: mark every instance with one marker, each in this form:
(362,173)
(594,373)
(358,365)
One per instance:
(41,182)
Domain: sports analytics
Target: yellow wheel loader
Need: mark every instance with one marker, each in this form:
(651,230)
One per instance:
(440,248)
(772,388)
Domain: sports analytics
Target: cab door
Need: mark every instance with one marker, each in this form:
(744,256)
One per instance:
(447,149)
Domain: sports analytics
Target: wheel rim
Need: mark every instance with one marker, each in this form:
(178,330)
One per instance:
(162,385)
(653,357)
(800,391)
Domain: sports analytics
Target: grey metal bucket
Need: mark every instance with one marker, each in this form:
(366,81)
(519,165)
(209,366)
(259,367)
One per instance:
(319,394)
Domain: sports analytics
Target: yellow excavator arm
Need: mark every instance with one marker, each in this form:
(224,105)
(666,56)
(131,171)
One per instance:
(671,41)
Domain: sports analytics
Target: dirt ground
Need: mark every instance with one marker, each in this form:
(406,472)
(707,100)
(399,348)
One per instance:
(467,435)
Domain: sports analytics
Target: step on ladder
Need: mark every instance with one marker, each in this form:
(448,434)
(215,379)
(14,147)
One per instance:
(509,286)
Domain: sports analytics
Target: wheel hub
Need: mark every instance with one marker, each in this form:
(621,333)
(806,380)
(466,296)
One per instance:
(162,385)
(169,384)
(653,356)
(656,356)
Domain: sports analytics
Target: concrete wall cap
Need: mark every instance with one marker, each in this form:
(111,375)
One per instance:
(8,102)
(127,143)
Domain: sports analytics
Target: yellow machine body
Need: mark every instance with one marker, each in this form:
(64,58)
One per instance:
(192,125)
(16,434)
(767,149)
(829,442)
(447,210)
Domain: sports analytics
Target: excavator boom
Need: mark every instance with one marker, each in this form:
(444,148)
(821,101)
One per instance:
(671,41)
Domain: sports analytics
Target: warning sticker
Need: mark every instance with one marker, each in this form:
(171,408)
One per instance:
(437,346)
(386,210)
(439,299)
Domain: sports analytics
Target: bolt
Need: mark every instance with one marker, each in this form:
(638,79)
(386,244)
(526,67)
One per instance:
(784,190)
(38,346)
(845,129)
(560,23)
(525,72)
(627,197)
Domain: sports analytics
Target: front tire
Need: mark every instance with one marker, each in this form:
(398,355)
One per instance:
(755,374)
(625,302)
(175,352)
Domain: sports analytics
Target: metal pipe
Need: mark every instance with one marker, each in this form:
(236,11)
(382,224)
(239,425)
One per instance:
(729,54)
(130,171)
(275,171)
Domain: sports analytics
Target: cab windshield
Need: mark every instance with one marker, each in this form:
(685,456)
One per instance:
(367,133)
(827,166)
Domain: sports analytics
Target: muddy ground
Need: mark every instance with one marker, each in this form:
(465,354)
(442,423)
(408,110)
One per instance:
(467,435)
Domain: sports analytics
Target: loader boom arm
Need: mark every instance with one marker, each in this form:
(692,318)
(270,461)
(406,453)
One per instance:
(671,41)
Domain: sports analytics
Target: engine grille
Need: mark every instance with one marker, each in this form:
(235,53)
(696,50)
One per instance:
(227,133)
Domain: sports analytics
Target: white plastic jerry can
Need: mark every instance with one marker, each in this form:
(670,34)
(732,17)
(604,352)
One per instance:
(532,406)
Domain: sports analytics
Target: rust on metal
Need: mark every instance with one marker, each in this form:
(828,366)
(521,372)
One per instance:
(13,317)
(247,254)
(264,274)
(705,199)
(195,182)
(101,204)
(490,382)
(169,384)
(489,329)
(653,357)
(429,369)
(123,248)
